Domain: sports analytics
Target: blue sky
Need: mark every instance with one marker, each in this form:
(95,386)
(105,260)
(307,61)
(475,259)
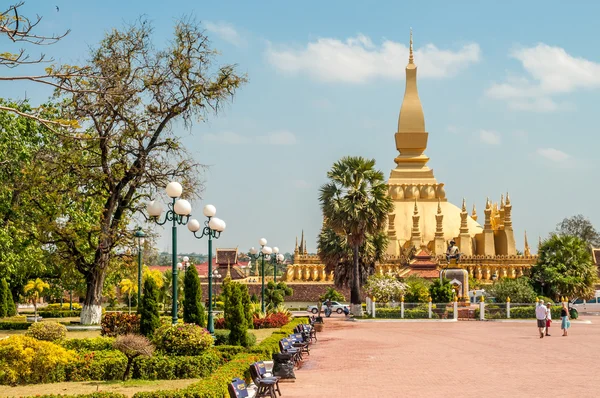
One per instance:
(509,90)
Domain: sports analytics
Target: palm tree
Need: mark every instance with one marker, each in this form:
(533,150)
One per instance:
(34,289)
(355,205)
(128,287)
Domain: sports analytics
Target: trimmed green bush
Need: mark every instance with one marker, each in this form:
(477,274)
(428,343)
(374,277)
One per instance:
(149,316)
(182,339)
(395,313)
(89,344)
(214,386)
(229,351)
(163,367)
(235,317)
(59,314)
(247,306)
(25,360)
(92,395)
(98,365)
(47,331)
(11,308)
(14,325)
(193,309)
(62,307)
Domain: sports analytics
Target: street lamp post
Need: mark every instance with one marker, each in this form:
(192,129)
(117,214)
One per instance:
(278,258)
(179,214)
(255,253)
(139,236)
(213,227)
(215,275)
(184,264)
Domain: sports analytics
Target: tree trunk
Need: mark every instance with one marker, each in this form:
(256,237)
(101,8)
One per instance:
(91,313)
(356,307)
(35,309)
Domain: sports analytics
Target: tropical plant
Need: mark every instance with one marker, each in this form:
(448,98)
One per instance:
(193,309)
(441,291)
(275,294)
(129,288)
(119,323)
(355,205)
(417,289)
(331,294)
(565,268)
(33,290)
(133,346)
(148,311)
(519,290)
(385,288)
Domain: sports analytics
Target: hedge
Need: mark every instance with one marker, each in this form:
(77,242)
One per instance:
(493,311)
(59,314)
(89,344)
(395,313)
(92,395)
(227,352)
(179,367)
(214,386)
(14,325)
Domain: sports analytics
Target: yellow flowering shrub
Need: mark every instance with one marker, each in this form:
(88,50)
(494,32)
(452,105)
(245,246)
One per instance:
(25,360)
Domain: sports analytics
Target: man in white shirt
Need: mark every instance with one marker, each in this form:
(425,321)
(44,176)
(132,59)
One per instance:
(540,315)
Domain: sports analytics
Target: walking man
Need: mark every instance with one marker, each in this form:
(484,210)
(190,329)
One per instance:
(540,315)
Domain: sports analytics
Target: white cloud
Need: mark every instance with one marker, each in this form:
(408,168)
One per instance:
(225,31)
(489,137)
(552,71)
(282,137)
(226,137)
(358,59)
(553,154)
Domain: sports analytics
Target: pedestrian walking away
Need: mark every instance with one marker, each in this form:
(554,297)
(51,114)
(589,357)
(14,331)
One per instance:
(548,319)
(540,315)
(565,323)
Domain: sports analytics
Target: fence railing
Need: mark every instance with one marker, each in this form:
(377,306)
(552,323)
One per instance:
(455,310)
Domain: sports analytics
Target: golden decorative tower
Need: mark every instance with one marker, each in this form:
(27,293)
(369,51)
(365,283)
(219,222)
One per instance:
(415,236)
(474,213)
(464,242)
(439,242)
(527,250)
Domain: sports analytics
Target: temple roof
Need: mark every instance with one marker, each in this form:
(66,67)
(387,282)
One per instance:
(227,256)
(596,256)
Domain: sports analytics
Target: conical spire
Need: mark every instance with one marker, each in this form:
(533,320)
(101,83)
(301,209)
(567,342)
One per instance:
(474,213)
(488,214)
(439,221)
(411,59)
(527,250)
(411,118)
(296,248)
(415,234)
(464,227)
(302,243)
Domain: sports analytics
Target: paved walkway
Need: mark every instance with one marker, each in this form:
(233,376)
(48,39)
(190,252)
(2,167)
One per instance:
(461,359)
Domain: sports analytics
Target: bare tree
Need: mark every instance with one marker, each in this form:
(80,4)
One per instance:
(127,147)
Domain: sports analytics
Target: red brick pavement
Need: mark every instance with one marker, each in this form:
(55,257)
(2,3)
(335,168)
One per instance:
(464,359)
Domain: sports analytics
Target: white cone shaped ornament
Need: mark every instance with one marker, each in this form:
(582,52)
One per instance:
(194,225)
(183,207)
(174,189)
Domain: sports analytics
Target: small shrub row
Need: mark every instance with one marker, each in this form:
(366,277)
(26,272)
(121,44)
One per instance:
(14,325)
(98,365)
(89,344)
(92,395)
(214,386)
(499,312)
(395,313)
(180,367)
(227,352)
(182,339)
(63,307)
(275,320)
(59,314)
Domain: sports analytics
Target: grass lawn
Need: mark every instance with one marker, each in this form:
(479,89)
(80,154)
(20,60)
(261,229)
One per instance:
(128,388)
(260,334)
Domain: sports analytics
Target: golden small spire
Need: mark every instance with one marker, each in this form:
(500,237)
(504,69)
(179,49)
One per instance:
(507,199)
(228,269)
(502,201)
(527,250)
(439,209)
(474,213)
(464,205)
(416,208)
(411,59)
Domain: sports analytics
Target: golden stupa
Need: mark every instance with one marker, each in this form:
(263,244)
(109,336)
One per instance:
(424,219)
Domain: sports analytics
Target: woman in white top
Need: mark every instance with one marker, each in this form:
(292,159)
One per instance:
(548,318)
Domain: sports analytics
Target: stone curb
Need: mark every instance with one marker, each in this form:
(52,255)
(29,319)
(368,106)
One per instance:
(405,320)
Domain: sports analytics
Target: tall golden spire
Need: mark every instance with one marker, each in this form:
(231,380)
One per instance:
(527,250)
(411,59)
(474,213)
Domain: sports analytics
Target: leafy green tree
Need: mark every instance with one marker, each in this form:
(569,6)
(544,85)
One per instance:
(247,306)
(355,204)
(441,292)
(565,268)
(331,294)
(148,311)
(519,290)
(193,309)
(581,227)
(11,308)
(4,298)
(235,316)
(385,288)
(129,288)
(417,289)
(133,97)
(275,294)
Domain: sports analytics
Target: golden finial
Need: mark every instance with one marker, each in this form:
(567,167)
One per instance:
(439,209)
(228,269)
(507,299)
(502,201)
(507,199)
(488,204)
(527,250)
(416,208)
(464,205)
(474,213)
(411,59)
